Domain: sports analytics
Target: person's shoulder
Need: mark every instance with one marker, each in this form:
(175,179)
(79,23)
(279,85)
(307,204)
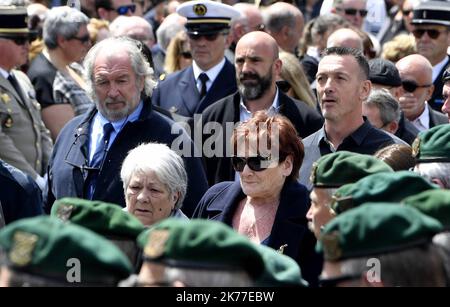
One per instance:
(216,109)
(16,178)
(39,67)
(166,79)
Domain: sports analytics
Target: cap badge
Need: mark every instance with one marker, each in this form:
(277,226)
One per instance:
(416,147)
(200,9)
(156,243)
(312,177)
(64,212)
(22,249)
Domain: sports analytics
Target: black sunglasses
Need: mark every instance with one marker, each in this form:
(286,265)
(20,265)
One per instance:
(432,33)
(411,86)
(20,40)
(353,12)
(84,39)
(209,37)
(406,12)
(283,85)
(256,164)
(123,9)
(186,54)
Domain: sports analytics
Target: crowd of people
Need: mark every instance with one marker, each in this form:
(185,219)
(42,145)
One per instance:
(225,143)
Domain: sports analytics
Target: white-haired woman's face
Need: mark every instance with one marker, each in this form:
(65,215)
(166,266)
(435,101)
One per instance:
(148,198)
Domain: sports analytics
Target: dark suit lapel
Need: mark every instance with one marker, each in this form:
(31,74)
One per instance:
(224,213)
(188,87)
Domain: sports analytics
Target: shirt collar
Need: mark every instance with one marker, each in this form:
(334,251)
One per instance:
(212,73)
(357,136)
(438,67)
(118,125)
(4,73)
(424,118)
(273,109)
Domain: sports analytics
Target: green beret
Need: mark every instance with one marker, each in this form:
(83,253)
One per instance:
(107,219)
(200,244)
(279,270)
(343,167)
(43,246)
(382,187)
(434,203)
(376,228)
(433,145)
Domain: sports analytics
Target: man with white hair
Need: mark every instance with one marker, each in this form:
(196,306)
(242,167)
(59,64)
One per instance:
(135,27)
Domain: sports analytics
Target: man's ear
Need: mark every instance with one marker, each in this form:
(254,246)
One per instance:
(392,127)
(438,182)
(366,87)
(430,91)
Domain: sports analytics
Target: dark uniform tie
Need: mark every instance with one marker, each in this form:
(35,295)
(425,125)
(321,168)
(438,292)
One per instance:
(203,79)
(97,160)
(16,86)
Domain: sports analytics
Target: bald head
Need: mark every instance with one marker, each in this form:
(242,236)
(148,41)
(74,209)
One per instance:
(345,38)
(252,14)
(133,26)
(259,40)
(416,65)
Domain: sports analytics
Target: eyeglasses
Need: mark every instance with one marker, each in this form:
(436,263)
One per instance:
(411,86)
(186,54)
(123,9)
(353,12)
(283,85)
(84,39)
(406,12)
(256,164)
(20,41)
(432,33)
(209,37)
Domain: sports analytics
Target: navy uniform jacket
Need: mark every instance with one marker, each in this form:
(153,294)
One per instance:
(305,120)
(290,227)
(20,197)
(437,101)
(67,178)
(178,93)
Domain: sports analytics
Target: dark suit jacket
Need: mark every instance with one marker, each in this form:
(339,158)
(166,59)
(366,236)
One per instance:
(437,101)
(310,66)
(305,119)
(290,227)
(67,177)
(20,197)
(406,130)
(437,118)
(179,94)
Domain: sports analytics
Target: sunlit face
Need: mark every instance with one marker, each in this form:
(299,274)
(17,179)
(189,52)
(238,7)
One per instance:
(148,198)
(340,87)
(13,54)
(265,183)
(117,88)
(435,50)
(75,48)
(446,95)
(319,213)
(207,54)
(355,19)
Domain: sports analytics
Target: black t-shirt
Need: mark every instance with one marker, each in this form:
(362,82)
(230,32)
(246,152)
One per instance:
(42,73)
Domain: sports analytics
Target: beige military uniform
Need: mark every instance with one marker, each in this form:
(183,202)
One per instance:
(24,140)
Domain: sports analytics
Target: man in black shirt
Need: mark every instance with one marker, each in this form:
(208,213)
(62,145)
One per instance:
(342,86)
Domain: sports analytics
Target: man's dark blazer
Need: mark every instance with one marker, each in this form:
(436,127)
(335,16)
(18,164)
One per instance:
(436,101)
(67,178)
(290,227)
(437,118)
(406,130)
(178,93)
(305,119)
(20,197)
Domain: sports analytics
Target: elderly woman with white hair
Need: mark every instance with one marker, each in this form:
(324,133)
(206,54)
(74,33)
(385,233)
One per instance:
(154,183)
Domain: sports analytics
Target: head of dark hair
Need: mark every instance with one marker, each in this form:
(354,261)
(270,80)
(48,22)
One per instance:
(355,53)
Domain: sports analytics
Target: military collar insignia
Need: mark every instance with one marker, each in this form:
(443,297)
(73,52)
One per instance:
(64,212)
(5,98)
(156,243)
(9,122)
(416,147)
(22,248)
(200,9)
(331,249)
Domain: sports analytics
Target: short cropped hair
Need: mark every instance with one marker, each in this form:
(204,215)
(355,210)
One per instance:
(355,53)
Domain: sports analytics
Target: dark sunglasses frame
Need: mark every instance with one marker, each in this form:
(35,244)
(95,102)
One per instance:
(254,163)
(411,86)
(20,41)
(123,9)
(432,33)
(283,85)
(186,54)
(209,37)
(406,12)
(352,12)
(84,39)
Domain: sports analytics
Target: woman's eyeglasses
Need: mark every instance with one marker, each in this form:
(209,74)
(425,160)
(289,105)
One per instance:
(256,164)
(411,86)
(283,85)
(432,33)
(353,12)
(186,54)
(84,39)
(123,9)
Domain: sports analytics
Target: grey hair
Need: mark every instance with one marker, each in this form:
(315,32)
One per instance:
(435,170)
(402,268)
(110,47)
(63,21)
(275,20)
(159,158)
(383,100)
(325,22)
(208,278)
(168,29)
